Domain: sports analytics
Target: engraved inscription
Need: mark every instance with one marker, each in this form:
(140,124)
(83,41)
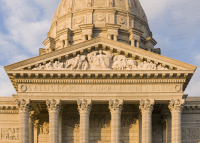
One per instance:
(100,88)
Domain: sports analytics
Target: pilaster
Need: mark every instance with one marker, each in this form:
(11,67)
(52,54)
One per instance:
(53,107)
(84,108)
(176,107)
(146,108)
(115,107)
(36,125)
(24,108)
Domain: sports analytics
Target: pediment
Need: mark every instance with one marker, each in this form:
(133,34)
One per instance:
(115,55)
(100,58)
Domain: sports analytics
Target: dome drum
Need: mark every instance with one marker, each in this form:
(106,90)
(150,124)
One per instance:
(124,24)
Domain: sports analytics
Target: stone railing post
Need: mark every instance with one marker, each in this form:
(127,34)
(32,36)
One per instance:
(176,107)
(24,108)
(115,107)
(84,108)
(146,108)
(53,107)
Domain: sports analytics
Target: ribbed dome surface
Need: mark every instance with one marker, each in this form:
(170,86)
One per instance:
(66,6)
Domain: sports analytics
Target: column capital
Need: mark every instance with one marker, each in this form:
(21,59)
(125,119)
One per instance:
(146,105)
(31,114)
(176,105)
(23,105)
(116,105)
(84,106)
(53,105)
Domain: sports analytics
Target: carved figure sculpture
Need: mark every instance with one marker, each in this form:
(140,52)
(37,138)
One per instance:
(57,65)
(122,63)
(100,61)
(10,134)
(77,63)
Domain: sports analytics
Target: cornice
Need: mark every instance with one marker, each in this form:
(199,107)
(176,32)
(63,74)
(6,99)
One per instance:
(9,110)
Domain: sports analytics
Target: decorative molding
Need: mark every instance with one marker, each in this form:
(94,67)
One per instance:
(122,21)
(79,20)
(9,110)
(176,105)
(23,105)
(189,134)
(116,105)
(53,105)
(99,18)
(146,105)
(10,134)
(84,106)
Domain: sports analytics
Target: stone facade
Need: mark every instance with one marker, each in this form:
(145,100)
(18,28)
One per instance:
(100,80)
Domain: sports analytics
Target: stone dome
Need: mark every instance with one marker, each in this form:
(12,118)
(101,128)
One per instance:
(76,21)
(66,6)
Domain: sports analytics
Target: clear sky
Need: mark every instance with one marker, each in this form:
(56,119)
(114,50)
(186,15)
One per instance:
(24,25)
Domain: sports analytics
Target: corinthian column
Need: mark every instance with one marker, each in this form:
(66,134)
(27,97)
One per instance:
(53,107)
(146,108)
(176,107)
(31,113)
(84,108)
(24,108)
(115,107)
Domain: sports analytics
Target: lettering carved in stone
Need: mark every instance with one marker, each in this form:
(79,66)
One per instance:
(10,134)
(100,60)
(190,133)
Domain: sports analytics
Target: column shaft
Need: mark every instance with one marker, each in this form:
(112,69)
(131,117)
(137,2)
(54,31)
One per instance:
(53,107)
(24,126)
(146,107)
(53,127)
(31,126)
(60,127)
(168,130)
(176,107)
(115,107)
(84,108)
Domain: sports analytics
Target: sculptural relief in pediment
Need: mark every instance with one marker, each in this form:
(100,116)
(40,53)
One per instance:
(100,60)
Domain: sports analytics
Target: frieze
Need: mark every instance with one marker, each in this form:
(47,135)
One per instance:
(99,18)
(72,121)
(10,134)
(190,134)
(100,60)
(99,88)
(122,21)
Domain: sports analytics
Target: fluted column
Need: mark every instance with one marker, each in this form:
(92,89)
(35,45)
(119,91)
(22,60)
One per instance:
(53,107)
(167,117)
(31,113)
(36,124)
(84,108)
(24,108)
(146,108)
(176,107)
(115,107)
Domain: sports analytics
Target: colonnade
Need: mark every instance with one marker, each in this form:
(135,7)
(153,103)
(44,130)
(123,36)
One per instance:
(115,106)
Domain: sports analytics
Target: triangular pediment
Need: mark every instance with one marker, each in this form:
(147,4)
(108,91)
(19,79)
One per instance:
(112,51)
(100,58)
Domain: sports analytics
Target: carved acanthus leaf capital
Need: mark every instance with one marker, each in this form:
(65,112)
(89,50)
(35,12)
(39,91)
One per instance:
(53,105)
(84,105)
(146,105)
(116,105)
(176,105)
(23,105)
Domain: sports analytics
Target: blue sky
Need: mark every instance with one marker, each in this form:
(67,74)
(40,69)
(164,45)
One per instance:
(24,25)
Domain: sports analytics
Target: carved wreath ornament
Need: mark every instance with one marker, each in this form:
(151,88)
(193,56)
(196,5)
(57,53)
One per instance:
(100,60)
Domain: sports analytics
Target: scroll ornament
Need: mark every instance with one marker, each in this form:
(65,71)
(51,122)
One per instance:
(53,105)
(23,105)
(176,105)
(100,60)
(146,105)
(84,105)
(116,105)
